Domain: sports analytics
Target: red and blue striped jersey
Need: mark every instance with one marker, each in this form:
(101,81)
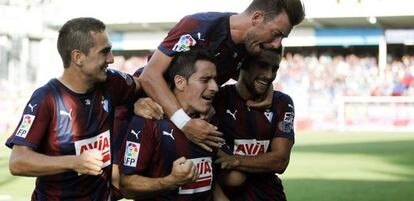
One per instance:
(56,121)
(249,132)
(150,149)
(209,30)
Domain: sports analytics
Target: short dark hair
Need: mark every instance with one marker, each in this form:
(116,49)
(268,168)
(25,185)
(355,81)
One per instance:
(184,64)
(268,57)
(271,8)
(76,34)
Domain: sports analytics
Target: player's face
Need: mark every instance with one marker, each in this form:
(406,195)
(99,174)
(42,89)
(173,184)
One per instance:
(94,64)
(258,78)
(201,87)
(267,34)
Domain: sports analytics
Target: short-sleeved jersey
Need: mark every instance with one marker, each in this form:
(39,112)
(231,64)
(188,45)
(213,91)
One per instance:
(207,30)
(56,121)
(150,149)
(123,115)
(249,132)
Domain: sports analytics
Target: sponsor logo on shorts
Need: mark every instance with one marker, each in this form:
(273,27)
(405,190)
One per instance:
(250,147)
(131,153)
(25,125)
(100,142)
(203,183)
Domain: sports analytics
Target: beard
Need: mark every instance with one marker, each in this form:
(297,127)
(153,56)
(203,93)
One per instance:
(251,43)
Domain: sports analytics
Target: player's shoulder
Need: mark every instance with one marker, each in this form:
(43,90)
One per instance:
(116,75)
(226,91)
(210,16)
(281,96)
(111,72)
(228,88)
(139,122)
(49,88)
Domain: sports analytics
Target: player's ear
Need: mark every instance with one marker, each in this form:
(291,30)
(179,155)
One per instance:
(77,57)
(180,82)
(257,17)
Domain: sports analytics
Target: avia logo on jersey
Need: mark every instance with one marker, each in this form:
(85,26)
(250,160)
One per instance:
(131,153)
(203,183)
(100,142)
(24,127)
(184,44)
(251,147)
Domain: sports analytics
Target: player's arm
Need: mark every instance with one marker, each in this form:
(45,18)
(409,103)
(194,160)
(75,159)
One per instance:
(152,81)
(140,187)
(218,194)
(24,161)
(154,84)
(275,161)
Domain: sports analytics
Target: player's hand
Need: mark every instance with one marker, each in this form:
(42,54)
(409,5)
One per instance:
(265,103)
(89,162)
(203,134)
(148,108)
(226,161)
(183,172)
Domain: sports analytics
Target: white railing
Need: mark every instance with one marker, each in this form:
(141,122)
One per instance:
(387,113)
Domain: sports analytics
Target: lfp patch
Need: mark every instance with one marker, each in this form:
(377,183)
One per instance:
(24,127)
(184,44)
(131,154)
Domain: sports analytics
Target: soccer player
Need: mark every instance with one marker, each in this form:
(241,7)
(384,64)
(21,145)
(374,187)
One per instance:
(231,37)
(159,162)
(64,136)
(259,141)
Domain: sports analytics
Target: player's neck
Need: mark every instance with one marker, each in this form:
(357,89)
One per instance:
(75,82)
(245,94)
(238,27)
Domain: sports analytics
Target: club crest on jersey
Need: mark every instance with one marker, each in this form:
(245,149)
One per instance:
(250,147)
(100,142)
(269,115)
(184,44)
(204,181)
(24,127)
(105,104)
(287,124)
(131,154)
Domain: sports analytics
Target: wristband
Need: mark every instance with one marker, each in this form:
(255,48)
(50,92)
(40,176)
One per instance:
(180,118)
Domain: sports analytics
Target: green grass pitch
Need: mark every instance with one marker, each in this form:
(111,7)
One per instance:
(323,167)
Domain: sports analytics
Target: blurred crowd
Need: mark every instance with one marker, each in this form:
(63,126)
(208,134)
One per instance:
(351,75)
(315,82)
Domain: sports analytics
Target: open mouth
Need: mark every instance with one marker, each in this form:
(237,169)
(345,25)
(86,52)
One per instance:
(263,82)
(208,98)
